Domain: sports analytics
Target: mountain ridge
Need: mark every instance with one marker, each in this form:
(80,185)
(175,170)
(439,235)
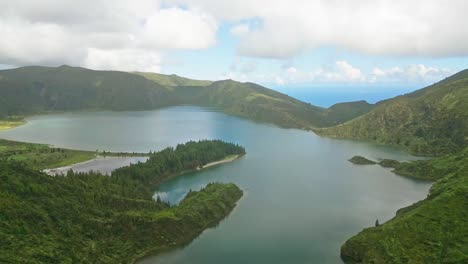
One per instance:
(431,121)
(38,89)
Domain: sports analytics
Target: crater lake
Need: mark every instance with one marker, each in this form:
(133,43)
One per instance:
(302,199)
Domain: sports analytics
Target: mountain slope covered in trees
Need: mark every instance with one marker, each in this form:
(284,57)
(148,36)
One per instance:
(430,121)
(35,89)
(430,231)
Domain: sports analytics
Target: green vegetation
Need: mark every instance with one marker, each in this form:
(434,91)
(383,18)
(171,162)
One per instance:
(431,121)
(254,102)
(172,161)
(389,163)
(10,122)
(91,218)
(342,112)
(32,90)
(432,169)
(4,124)
(430,231)
(172,80)
(40,156)
(361,161)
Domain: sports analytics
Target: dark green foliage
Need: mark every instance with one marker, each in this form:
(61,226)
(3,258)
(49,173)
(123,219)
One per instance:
(430,121)
(185,157)
(389,163)
(361,161)
(91,218)
(430,231)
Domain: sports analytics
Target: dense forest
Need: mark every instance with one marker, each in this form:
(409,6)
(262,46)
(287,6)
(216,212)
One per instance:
(89,217)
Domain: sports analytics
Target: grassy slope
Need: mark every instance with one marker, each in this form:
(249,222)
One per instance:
(172,80)
(39,156)
(430,121)
(430,231)
(257,103)
(6,124)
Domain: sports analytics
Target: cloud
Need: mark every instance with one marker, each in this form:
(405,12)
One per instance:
(116,34)
(240,30)
(416,73)
(383,27)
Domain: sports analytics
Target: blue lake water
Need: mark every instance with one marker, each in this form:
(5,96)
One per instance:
(302,199)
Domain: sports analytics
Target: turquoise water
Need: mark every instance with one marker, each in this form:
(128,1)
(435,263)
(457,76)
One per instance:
(302,199)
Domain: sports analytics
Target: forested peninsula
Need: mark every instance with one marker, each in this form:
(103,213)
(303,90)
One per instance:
(89,217)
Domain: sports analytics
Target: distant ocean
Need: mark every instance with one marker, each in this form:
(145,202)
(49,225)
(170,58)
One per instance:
(327,97)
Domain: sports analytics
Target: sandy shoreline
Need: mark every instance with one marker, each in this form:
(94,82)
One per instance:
(214,163)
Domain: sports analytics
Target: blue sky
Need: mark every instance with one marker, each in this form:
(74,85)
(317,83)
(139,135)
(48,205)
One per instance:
(360,46)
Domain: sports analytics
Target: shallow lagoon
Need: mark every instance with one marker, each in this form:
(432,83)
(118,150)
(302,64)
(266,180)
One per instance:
(302,199)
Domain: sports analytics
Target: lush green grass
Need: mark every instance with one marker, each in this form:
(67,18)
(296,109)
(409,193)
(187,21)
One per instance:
(91,218)
(430,231)
(172,80)
(40,156)
(4,125)
(431,121)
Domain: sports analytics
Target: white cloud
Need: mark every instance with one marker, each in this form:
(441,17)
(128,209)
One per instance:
(174,28)
(416,73)
(348,72)
(388,27)
(240,30)
(123,60)
(98,34)
(344,72)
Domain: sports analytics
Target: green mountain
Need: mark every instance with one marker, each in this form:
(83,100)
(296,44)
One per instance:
(430,121)
(430,231)
(31,90)
(343,112)
(255,102)
(38,89)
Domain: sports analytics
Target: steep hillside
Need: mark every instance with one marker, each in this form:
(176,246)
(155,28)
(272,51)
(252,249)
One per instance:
(37,89)
(430,231)
(255,102)
(430,121)
(343,112)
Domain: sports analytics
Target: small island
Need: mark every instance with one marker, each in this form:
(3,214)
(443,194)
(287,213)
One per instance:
(90,217)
